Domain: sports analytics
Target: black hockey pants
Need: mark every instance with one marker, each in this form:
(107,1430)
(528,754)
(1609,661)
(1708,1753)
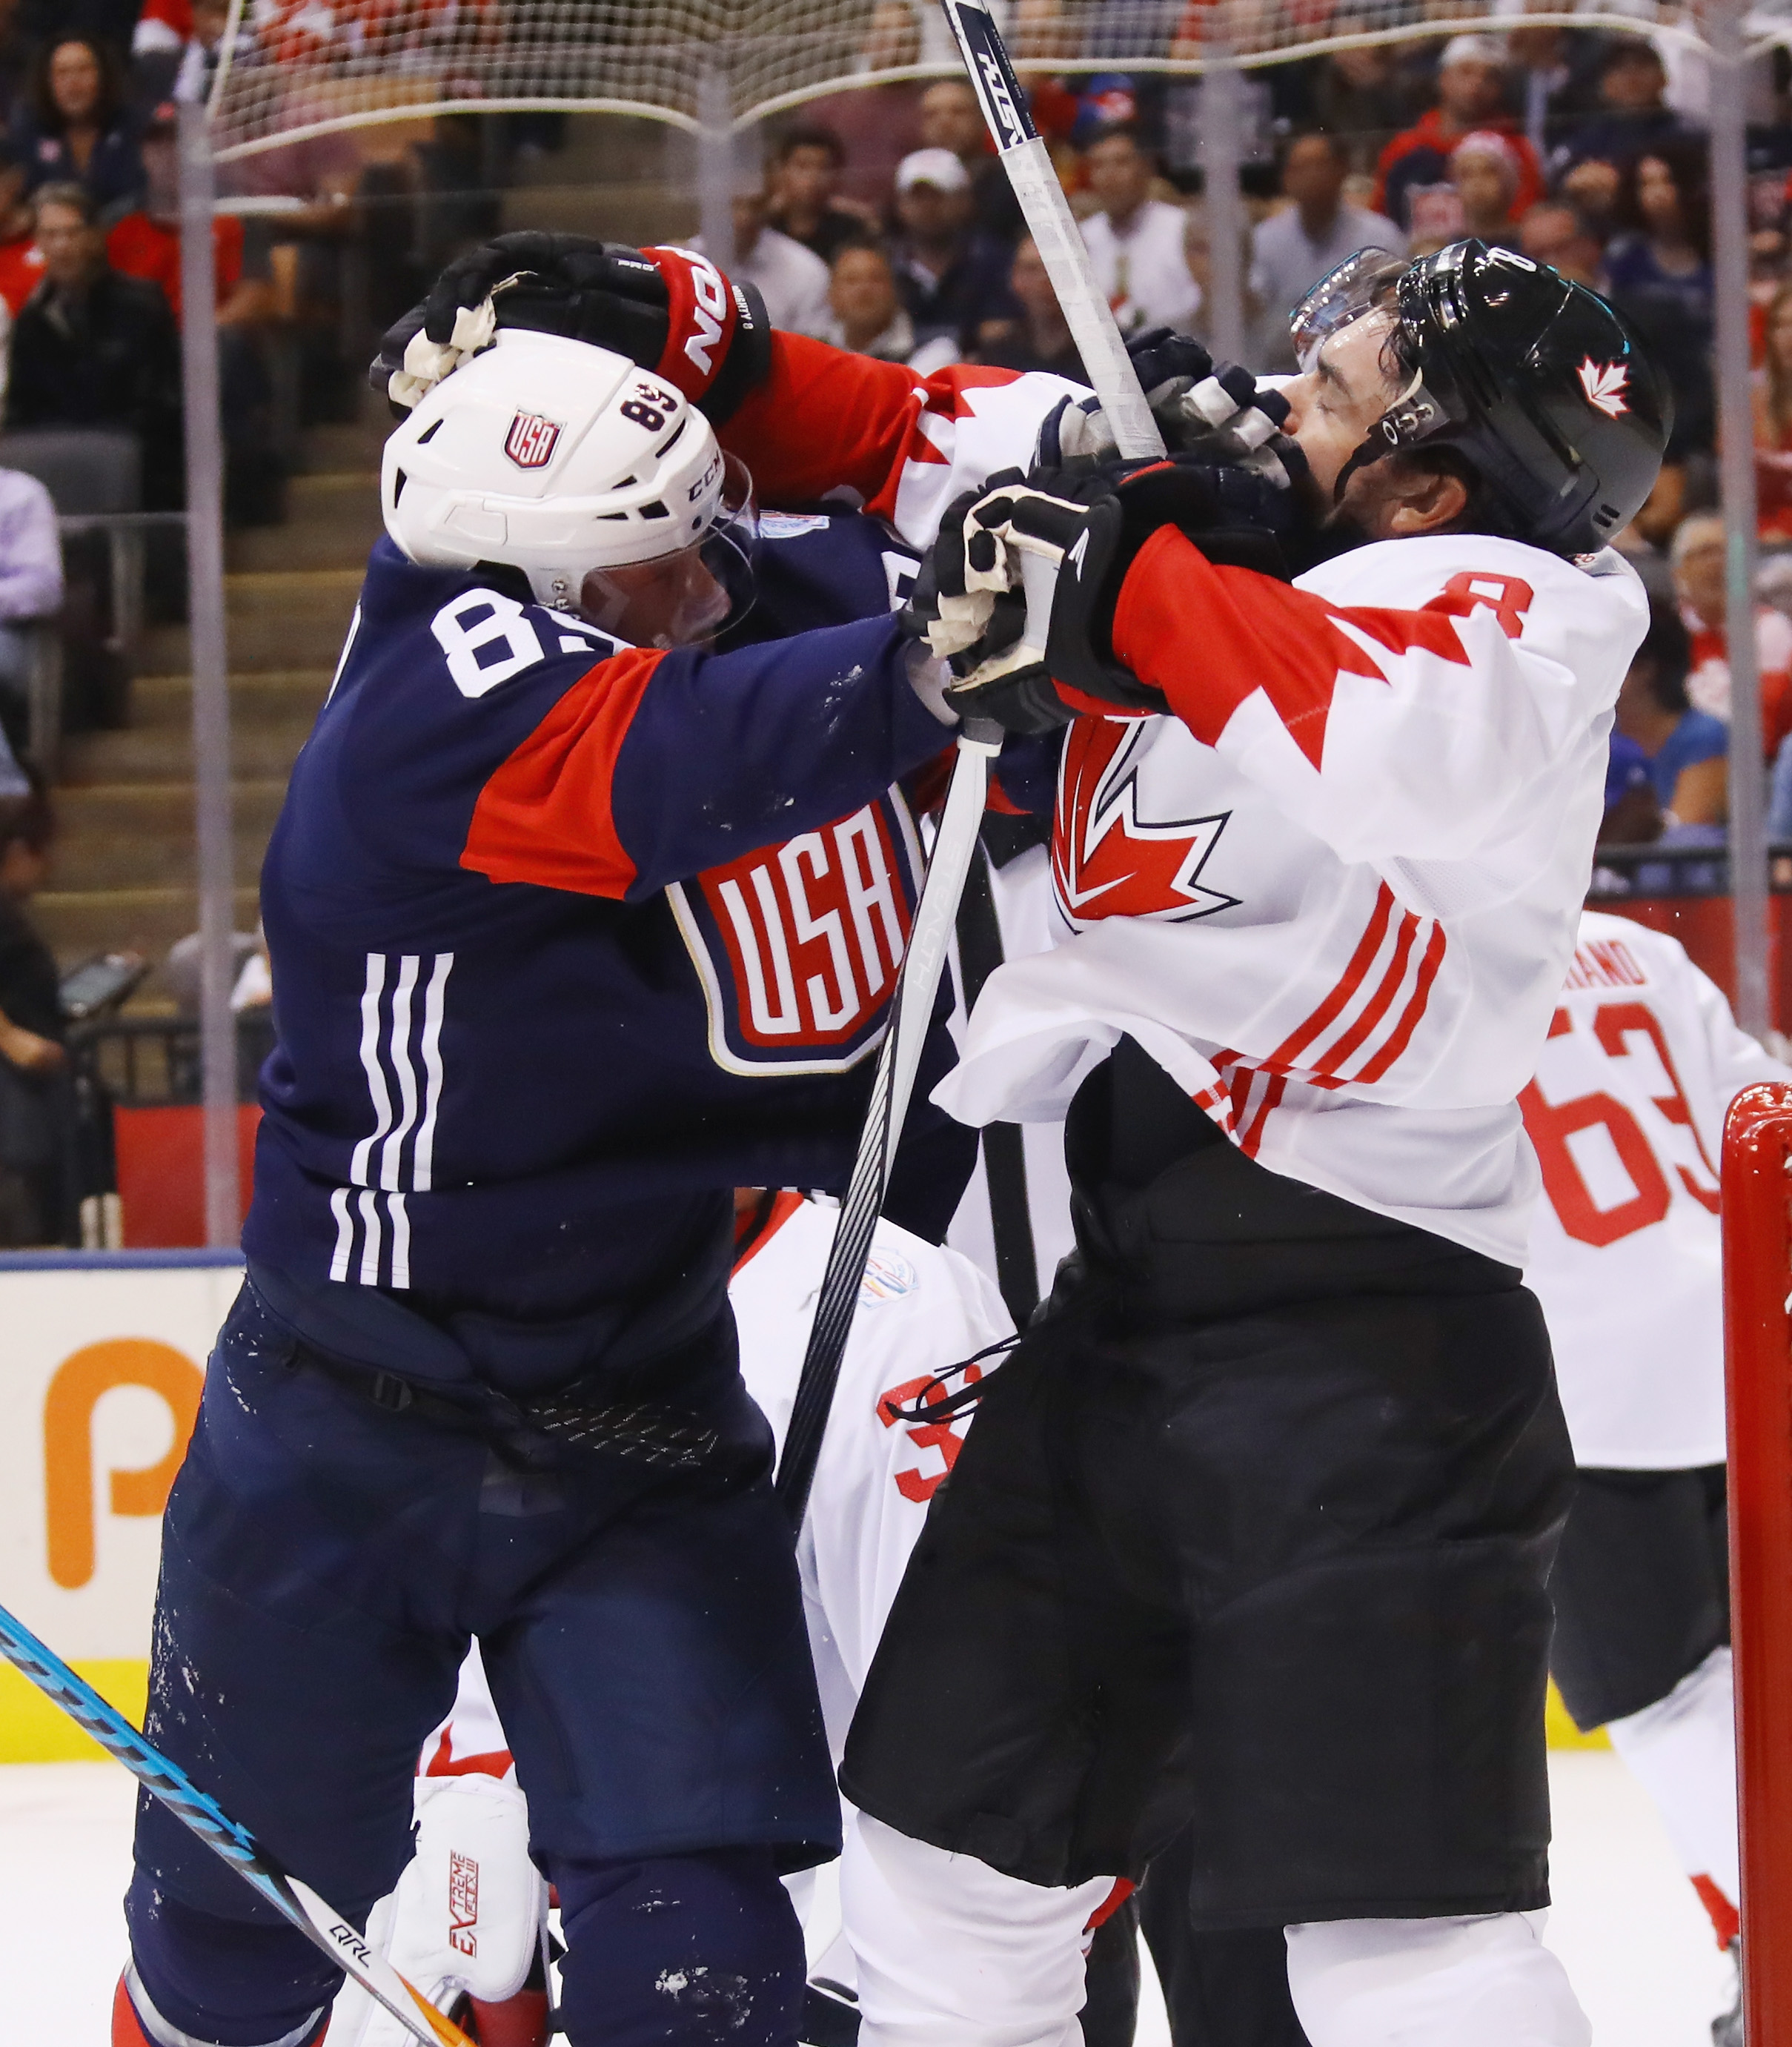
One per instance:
(1253,1528)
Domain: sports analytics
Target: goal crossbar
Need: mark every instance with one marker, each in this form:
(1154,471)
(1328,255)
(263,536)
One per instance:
(399,60)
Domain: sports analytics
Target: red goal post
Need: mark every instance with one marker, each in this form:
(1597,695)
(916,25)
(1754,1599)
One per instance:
(1757,1211)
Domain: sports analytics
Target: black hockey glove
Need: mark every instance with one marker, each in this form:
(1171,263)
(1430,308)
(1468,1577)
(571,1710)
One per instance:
(1066,543)
(671,311)
(967,626)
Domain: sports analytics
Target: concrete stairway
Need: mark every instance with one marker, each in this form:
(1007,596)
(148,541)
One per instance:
(124,872)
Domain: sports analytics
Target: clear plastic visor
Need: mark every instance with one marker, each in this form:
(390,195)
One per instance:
(686,598)
(1362,283)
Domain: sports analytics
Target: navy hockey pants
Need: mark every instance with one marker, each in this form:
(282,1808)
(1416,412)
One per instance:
(325,1560)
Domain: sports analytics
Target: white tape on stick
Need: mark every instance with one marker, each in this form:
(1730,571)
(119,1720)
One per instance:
(1054,229)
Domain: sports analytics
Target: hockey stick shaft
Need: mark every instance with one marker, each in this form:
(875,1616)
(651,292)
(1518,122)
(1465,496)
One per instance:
(898,1061)
(1091,322)
(1053,227)
(338,1938)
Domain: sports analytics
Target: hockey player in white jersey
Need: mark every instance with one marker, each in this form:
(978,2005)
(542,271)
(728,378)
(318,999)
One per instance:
(462,1923)
(1256,1524)
(1627,1114)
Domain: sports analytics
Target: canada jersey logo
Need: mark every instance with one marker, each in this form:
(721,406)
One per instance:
(1106,860)
(531,441)
(1604,384)
(797,946)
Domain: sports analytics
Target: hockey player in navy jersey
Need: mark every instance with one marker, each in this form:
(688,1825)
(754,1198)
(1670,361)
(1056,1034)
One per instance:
(576,924)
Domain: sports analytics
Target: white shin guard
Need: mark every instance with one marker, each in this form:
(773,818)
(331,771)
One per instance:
(1682,1750)
(950,1953)
(1432,1982)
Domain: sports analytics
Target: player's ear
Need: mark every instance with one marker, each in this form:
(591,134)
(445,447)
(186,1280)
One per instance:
(1422,499)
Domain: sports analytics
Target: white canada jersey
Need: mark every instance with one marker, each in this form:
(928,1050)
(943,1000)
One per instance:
(922,1309)
(1335,894)
(1641,1063)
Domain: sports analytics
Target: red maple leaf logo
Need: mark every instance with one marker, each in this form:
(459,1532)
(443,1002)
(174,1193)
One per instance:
(1106,861)
(943,398)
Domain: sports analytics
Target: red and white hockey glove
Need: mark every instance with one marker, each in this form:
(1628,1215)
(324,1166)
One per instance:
(465,1922)
(1061,547)
(670,310)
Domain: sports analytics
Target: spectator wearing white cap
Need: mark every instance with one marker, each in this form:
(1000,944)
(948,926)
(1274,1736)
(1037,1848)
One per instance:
(954,282)
(1136,242)
(1471,90)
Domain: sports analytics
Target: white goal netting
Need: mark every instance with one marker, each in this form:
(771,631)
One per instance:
(296,68)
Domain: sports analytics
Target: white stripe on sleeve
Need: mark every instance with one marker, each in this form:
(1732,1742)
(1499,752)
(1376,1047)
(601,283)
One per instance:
(370,1064)
(423,1159)
(345,1233)
(370,1244)
(392,1151)
(400,1241)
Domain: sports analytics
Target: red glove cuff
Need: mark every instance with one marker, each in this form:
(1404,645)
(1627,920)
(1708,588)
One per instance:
(702,318)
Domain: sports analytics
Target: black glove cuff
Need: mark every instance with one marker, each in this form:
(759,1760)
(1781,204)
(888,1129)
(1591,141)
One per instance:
(748,361)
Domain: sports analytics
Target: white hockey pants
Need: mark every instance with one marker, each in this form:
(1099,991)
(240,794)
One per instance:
(1682,1750)
(1433,1982)
(951,1954)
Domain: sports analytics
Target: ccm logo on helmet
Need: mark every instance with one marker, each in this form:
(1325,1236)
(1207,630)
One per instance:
(530,442)
(1604,383)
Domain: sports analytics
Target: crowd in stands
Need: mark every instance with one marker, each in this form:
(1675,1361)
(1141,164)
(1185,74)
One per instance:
(879,218)
(1584,149)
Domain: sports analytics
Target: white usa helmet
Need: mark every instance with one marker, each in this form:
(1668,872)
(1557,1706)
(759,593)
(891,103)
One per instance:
(564,460)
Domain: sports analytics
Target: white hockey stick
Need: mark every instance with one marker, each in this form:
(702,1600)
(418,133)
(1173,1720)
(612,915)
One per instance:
(339,1938)
(1054,229)
(1091,322)
(897,1060)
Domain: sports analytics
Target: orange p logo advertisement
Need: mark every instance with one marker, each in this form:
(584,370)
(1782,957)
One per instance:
(80,1383)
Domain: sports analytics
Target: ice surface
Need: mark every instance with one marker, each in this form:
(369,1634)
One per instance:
(1635,1939)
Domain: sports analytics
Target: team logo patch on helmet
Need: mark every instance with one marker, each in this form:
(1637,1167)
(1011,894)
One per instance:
(1604,383)
(530,440)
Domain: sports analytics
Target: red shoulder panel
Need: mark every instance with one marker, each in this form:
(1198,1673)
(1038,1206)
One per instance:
(544,817)
(1253,633)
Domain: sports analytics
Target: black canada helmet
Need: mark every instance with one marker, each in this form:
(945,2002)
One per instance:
(1543,387)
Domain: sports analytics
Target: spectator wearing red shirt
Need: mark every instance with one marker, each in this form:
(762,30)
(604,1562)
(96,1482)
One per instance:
(1697,556)
(21,266)
(1773,421)
(1471,88)
(146,243)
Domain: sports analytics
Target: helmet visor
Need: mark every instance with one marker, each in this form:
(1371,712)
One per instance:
(1362,283)
(688,598)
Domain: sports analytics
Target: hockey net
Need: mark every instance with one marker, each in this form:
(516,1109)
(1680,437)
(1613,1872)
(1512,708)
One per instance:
(293,69)
(1757,1210)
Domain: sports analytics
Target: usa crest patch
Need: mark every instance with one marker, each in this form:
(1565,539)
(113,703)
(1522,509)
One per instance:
(797,946)
(531,441)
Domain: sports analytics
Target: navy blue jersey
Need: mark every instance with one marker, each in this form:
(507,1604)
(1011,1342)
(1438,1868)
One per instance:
(569,937)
